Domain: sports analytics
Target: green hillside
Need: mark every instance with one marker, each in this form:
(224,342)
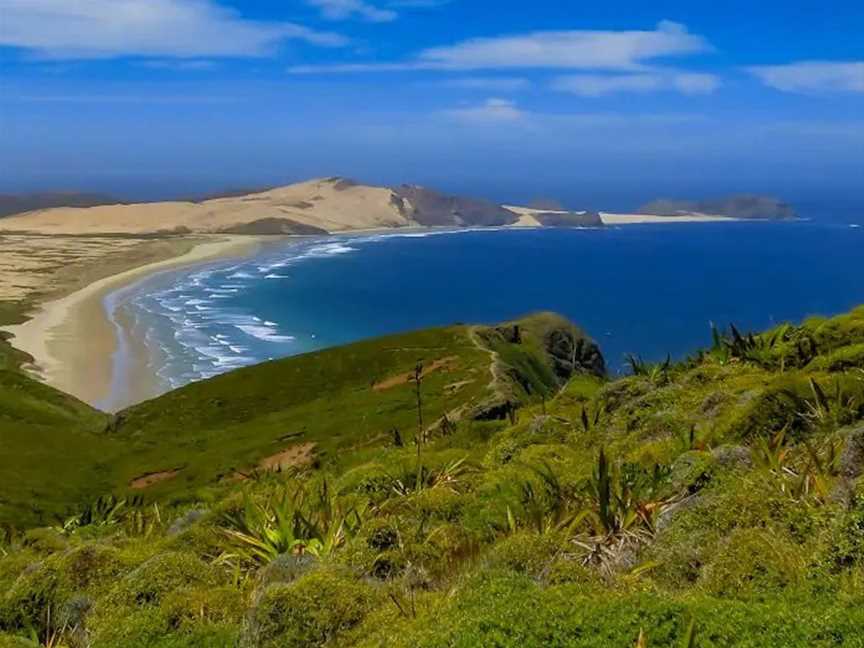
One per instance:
(329,408)
(713,502)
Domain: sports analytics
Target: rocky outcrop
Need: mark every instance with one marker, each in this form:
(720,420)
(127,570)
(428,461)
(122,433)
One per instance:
(852,457)
(433,209)
(571,352)
(569,219)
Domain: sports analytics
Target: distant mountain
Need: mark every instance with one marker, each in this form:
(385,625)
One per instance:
(16,204)
(742,206)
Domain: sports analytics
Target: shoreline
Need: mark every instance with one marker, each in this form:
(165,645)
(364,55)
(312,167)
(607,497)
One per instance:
(80,343)
(73,339)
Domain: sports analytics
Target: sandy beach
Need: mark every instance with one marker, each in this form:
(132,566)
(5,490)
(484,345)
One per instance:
(643,219)
(73,341)
(72,338)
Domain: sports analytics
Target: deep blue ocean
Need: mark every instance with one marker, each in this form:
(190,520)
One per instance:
(650,290)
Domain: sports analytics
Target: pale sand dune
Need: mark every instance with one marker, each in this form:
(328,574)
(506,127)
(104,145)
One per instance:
(528,217)
(637,219)
(73,342)
(331,204)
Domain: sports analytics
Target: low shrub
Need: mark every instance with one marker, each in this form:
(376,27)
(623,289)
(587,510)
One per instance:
(753,562)
(309,612)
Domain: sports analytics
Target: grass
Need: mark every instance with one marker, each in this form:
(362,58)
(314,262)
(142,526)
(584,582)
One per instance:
(345,401)
(713,502)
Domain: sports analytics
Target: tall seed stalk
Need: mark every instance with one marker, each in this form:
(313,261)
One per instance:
(418,380)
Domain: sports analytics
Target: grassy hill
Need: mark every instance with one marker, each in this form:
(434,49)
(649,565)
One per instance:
(713,502)
(327,408)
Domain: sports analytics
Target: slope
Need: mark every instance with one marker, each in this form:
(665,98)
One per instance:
(329,407)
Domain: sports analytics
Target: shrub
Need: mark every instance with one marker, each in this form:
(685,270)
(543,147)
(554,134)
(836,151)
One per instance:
(45,540)
(186,608)
(44,589)
(753,562)
(844,358)
(148,584)
(525,552)
(777,407)
(845,544)
(309,612)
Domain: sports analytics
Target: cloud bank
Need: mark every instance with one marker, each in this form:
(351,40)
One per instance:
(577,49)
(90,29)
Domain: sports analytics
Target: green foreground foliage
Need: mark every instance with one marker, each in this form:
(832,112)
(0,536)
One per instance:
(713,502)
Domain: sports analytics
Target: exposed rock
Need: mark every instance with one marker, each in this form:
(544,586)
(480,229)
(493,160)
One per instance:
(495,410)
(731,456)
(852,457)
(571,353)
(286,568)
(430,208)
(569,219)
(187,520)
(511,333)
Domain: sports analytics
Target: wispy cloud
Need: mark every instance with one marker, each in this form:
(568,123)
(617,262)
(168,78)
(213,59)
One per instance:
(491,111)
(183,65)
(587,85)
(491,84)
(83,29)
(347,9)
(813,76)
(585,50)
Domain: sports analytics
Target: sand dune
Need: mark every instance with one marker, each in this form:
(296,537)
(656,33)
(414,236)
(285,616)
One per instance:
(332,205)
(317,206)
(636,219)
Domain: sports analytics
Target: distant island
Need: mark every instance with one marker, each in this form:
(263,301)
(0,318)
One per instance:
(331,205)
(742,206)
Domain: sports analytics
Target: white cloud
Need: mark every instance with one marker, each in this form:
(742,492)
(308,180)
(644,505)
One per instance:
(80,29)
(492,111)
(346,9)
(568,49)
(587,50)
(813,76)
(587,85)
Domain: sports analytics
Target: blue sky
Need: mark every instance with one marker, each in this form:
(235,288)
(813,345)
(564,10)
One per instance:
(598,105)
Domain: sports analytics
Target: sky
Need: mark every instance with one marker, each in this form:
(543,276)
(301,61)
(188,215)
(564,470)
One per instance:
(597,105)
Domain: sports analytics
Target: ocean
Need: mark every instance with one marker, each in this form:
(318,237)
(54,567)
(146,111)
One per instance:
(649,290)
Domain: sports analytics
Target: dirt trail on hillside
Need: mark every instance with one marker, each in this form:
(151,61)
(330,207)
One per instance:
(447,364)
(301,454)
(149,479)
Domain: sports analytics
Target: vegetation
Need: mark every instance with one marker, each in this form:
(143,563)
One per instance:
(713,502)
